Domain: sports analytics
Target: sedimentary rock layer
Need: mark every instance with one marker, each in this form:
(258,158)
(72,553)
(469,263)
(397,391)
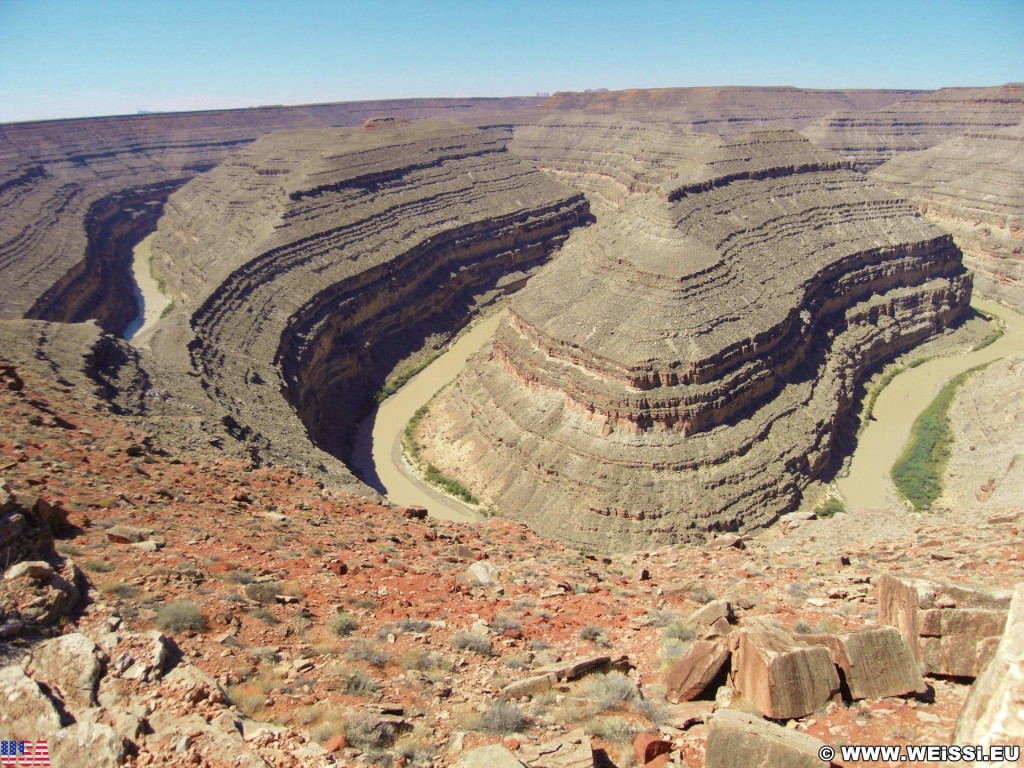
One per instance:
(608,158)
(309,263)
(726,111)
(870,137)
(684,364)
(972,186)
(75,195)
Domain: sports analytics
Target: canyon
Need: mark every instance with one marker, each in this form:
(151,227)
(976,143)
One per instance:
(693,288)
(683,366)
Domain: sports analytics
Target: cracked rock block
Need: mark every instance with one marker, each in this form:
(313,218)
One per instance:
(739,740)
(951,630)
(994,710)
(70,666)
(875,662)
(782,678)
(692,674)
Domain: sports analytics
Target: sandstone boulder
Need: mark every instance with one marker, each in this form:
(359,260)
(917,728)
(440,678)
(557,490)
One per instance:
(492,756)
(690,676)
(70,666)
(950,629)
(26,711)
(739,740)
(93,744)
(782,678)
(992,713)
(876,662)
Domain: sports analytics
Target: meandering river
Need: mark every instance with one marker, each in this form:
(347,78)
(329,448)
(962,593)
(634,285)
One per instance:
(378,452)
(378,449)
(150,301)
(868,484)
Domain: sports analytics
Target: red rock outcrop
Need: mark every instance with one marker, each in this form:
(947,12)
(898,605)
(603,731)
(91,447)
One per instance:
(683,365)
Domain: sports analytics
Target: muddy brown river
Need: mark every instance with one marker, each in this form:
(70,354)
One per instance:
(150,301)
(868,484)
(378,451)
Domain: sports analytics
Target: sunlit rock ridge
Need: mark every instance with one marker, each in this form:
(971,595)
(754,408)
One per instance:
(684,364)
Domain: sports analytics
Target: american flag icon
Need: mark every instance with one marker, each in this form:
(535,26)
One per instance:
(24,753)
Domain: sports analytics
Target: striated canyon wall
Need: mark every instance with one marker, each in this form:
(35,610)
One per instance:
(608,158)
(872,136)
(972,186)
(311,262)
(76,195)
(685,364)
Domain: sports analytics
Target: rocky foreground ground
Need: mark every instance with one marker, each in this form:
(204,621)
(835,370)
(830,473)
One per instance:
(206,613)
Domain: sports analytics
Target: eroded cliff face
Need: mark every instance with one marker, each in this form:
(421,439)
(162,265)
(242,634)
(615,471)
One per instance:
(685,363)
(311,262)
(608,158)
(871,137)
(71,190)
(972,186)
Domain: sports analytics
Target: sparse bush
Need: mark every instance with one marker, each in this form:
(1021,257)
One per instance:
(801,627)
(100,566)
(701,595)
(264,615)
(378,657)
(503,622)
(263,591)
(180,616)
(358,683)
(503,717)
(609,691)
(672,651)
(614,730)
(594,634)
(116,587)
(678,630)
(829,508)
(469,641)
(239,576)
(342,624)
(662,617)
(413,625)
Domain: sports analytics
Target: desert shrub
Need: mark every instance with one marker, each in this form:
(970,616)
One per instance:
(503,622)
(672,651)
(702,595)
(364,731)
(801,627)
(238,576)
(678,630)
(413,625)
(342,624)
(100,566)
(830,507)
(264,615)
(662,617)
(594,634)
(614,730)
(180,616)
(263,591)
(116,587)
(378,657)
(503,717)
(358,683)
(469,641)
(609,691)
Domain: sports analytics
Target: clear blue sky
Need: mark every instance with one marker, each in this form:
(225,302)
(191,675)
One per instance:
(64,58)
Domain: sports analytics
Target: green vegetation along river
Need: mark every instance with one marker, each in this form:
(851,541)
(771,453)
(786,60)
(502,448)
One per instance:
(868,484)
(378,451)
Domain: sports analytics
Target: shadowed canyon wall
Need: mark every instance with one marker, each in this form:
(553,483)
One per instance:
(309,263)
(684,364)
